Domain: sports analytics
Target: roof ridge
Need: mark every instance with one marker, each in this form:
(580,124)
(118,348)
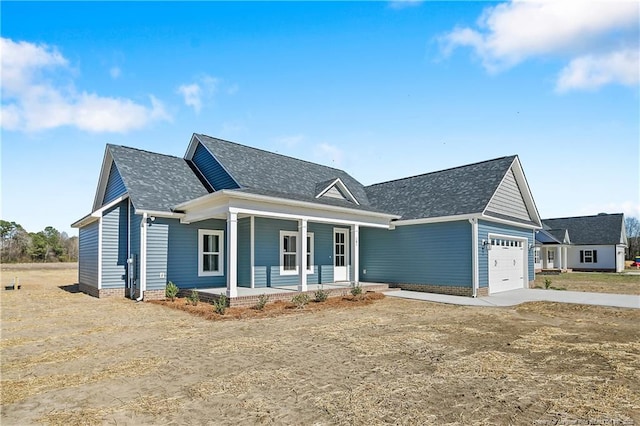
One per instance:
(581,217)
(144,150)
(440,171)
(271,152)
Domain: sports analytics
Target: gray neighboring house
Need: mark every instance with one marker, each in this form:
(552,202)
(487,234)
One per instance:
(237,218)
(582,243)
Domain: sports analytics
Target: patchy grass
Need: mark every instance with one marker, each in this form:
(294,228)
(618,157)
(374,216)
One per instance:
(70,359)
(597,282)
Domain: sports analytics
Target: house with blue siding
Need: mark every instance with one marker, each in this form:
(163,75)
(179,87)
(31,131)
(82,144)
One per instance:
(238,220)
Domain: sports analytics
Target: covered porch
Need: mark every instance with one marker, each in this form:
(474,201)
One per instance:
(279,247)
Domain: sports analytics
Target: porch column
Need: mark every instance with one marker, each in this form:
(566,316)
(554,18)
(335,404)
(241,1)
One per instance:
(302,246)
(355,252)
(232,254)
(559,257)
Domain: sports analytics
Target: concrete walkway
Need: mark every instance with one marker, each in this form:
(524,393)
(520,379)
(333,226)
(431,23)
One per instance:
(516,297)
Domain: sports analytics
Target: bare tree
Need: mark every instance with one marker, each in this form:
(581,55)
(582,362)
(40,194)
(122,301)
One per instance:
(632,226)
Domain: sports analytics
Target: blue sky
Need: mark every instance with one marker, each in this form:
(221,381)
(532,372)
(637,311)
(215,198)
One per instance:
(381,89)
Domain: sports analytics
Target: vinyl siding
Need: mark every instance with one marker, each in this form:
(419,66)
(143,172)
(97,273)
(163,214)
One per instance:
(323,253)
(606,257)
(157,247)
(115,187)
(244,252)
(434,254)
(484,229)
(508,199)
(182,253)
(212,171)
(114,246)
(88,254)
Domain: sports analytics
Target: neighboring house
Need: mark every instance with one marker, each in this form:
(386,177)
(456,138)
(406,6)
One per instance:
(583,243)
(228,215)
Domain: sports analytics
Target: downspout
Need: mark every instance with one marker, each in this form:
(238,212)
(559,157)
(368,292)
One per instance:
(474,255)
(143,257)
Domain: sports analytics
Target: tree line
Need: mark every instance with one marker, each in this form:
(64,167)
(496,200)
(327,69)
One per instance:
(632,226)
(48,245)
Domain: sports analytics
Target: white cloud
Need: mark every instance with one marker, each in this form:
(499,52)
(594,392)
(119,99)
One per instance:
(115,72)
(510,33)
(194,94)
(329,154)
(593,71)
(35,98)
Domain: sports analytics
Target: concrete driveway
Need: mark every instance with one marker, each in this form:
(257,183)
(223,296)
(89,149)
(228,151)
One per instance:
(516,297)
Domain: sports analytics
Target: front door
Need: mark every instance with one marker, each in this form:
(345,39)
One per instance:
(340,254)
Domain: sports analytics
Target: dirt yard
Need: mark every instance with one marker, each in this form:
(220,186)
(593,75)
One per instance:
(596,282)
(68,358)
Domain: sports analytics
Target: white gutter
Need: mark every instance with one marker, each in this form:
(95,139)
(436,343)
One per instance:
(143,257)
(474,255)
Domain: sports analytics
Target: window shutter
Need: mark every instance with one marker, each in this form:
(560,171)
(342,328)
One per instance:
(595,256)
(581,256)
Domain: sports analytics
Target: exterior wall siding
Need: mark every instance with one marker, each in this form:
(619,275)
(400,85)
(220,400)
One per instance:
(115,186)
(484,229)
(157,252)
(437,254)
(114,246)
(182,253)
(508,199)
(88,255)
(244,252)
(213,171)
(606,258)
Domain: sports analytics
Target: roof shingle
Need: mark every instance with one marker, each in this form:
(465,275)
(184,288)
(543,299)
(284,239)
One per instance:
(599,229)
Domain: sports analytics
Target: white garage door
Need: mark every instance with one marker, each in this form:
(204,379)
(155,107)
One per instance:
(506,265)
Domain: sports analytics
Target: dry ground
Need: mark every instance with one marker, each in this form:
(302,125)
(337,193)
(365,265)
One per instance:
(68,358)
(597,282)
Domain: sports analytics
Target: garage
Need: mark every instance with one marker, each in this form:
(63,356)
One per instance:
(506,265)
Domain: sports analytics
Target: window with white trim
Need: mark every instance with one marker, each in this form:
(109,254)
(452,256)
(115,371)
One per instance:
(210,252)
(289,252)
(588,256)
(536,255)
(551,255)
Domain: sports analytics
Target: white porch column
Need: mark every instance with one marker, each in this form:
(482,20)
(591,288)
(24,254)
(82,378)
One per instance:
(559,257)
(302,246)
(232,254)
(355,252)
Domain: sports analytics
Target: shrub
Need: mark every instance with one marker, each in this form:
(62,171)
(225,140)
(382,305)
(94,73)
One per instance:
(300,300)
(171,291)
(321,295)
(356,290)
(194,297)
(262,302)
(220,304)
(547,283)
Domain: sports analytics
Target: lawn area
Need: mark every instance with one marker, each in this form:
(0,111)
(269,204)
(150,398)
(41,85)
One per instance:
(70,359)
(597,282)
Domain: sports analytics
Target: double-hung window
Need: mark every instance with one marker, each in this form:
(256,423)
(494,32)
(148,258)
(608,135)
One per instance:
(210,252)
(588,256)
(289,252)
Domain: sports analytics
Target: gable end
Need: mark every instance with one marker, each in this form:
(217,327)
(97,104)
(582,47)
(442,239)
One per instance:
(115,186)
(508,200)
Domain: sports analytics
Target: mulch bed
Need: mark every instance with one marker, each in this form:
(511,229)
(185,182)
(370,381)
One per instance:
(271,309)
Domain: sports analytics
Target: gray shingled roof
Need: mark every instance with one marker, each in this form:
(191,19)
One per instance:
(599,229)
(545,237)
(461,190)
(155,181)
(267,171)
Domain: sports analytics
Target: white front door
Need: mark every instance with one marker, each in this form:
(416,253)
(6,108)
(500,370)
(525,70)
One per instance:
(340,254)
(506,265)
